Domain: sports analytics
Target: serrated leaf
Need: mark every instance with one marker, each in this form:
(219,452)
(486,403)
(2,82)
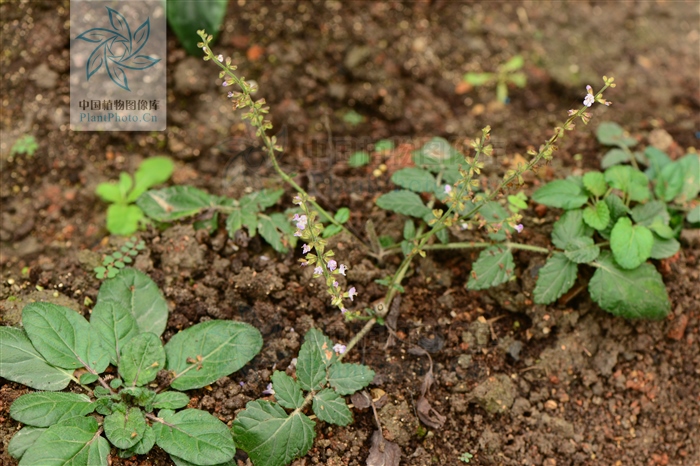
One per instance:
(270,436)
(23,440)
(631,245)
(261,200)
(556,278)
(175,202)
(415,179)
(143,446)
(270,233)
(614,157)
(663,248)
(58,333)
(44,409)
(331,407)
(564,194)
(358,159)
(152,171)
(136,292)
(630,181)
(194,436)
(311,370)
(597,216)
(660,228)
(595,183)
(115,325)
(616,207)
(346,378)
(691,179)
(125,429)
(123,219)
(612,134)
(694,214)
(22,363)
(218,348)
(437,155)
(287,391)
(569,226)
(403,202)
(493,267)
(638,293)
(141,359)
(582,250)
(495,213)
(74,442)
(171,400)
(645,214)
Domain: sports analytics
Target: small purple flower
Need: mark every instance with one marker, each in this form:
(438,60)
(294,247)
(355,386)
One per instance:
(269,390)
(305,248)
(318,270)
(448,188)
(343,310)
(519,227)
(590,98)
(332,265)
(352,292)
(300,220)
(338,348)
(335,284)
(241,383)
(342,269)
(230,95)
(225,83)
(297,199)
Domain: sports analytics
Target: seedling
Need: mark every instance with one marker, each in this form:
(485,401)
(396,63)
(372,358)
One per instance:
(26,145)
(113,263)
(140,405)
(508,73)
(123,217)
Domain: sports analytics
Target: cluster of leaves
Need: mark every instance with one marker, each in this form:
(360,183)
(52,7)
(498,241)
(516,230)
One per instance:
(508,73)
(273,437)
(637,214)
(113,263)
(123,217)
(57,345)
(25,145)
(179,202)
(185,16)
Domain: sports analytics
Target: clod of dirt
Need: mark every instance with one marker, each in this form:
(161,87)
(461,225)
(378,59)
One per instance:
(479,334)
(496,394)
(180,251)
(398,422)
(383,452)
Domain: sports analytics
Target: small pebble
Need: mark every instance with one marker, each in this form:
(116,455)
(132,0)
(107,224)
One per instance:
(550,404)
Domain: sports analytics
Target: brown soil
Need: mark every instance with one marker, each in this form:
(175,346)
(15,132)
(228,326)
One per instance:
(519,384)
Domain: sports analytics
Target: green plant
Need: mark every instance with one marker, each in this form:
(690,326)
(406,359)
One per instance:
(123,217)
(508,73)
(25,145)
(466,457)
(185,17)
(113,263)
(135,410)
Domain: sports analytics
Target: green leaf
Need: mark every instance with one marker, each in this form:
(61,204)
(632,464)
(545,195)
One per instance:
(342,215)
(311,363)
(409,229)
(669,183)
(23,440)
(495,213)
(383,144)
(115,325)
(331,230)
(494,267)
(514,64)
(437,154)
(176,202)
(478,79)
(346,378)
(569,226)
(403,202)
(556,278)
(595,183)
(58,333)
(444,236)
(287,391)
(694,214)
(171,400)
(110,192)
(269,436)
(519,79)
(260,200)
(582,250)
(331,407)
(614,157)
(415,179)
(359,159)
(645,214)
(611,134)
(180,462)
(186,17)
(564,194)
(152,171)
(125,429)
(219,348)
(630,181)
(691,180)
(638,293)
(22,363)
(597,216)
(664,248)
(123,219)
(44,409)
(74,442)
(268,230)
(194,436)
(143,446)
(657,161)
(135,291)
(631,245)
(87,378)
(141,359)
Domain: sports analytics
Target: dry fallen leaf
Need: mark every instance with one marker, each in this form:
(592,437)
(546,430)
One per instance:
(383,452)
(426,413)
